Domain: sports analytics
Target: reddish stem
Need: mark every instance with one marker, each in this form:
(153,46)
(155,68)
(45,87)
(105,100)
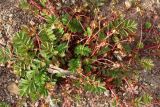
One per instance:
(155,46)
(32,2)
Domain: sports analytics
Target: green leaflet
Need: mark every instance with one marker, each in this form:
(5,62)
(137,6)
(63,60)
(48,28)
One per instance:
(101,36)
(103,50)
(87,65)
(82,50)
(123,26)
(95,87)
(47,50)
(148,25)
(88,32)
(24,4)
(33,83)
(74,64)
(22,43)
(4,55)
(127,48)
(47,35)
(65,19)
(143,100)
(50,19)
(74,26)
(23,49)
(140,45)
(62,49)
(4,104)
(43,2)
(147,63)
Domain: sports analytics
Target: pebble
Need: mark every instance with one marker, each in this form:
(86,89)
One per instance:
(13,88)
(32,23)
(107,93)
(120,93)
(5,18)
(128,4)
(10,15)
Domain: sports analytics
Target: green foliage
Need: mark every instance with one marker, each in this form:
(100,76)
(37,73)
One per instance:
(4,55)
(147,64)
(103,50)
(75,26)
(24,4)
(123,27)
(114,102)
(3,104)
(88,32)
(47,34)
(22,43)
(23,50)
(140,45)
(101,36)
(65,19)
(50,19)
(148,25)
(82,50)
(74,64)
(87,65)
(93,85)
(116,74)
(127,48)
(143,100)
(62,49)
(47,50)
(43,2)
(33,85)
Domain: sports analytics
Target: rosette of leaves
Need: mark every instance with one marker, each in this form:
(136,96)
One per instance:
(146,63)
(32,55)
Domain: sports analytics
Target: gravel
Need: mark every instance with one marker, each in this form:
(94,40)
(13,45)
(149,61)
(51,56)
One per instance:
(11,19)
(6,77)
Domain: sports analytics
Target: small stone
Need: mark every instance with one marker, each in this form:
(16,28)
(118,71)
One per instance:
(124,94)
(107,93)
(13,88)
(32,23)
(5,18)
(120,93)
(11,15)
(16,81)
(128,4)
(10,20)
